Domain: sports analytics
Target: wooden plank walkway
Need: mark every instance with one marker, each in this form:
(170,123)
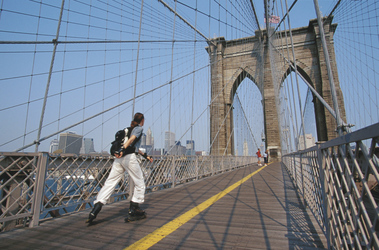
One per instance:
(264,212)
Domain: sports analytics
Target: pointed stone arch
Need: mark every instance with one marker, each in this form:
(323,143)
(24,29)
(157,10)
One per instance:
(320,116)
(238,77)
(234,60)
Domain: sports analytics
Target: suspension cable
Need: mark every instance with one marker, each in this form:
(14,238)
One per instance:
(135,78)
(49,78)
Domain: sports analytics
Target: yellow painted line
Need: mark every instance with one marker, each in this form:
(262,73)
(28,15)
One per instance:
(165,230)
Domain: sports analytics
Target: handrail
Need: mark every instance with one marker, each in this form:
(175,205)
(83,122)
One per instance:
(338,181)
(39,186)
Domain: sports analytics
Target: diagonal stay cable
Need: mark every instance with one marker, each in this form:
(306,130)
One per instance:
(105,111)
(184,20)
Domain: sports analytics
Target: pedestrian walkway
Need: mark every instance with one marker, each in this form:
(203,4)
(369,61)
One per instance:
(248,208)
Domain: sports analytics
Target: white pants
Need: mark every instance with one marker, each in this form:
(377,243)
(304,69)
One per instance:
(129,163)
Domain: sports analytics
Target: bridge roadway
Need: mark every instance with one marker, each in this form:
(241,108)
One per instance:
(248,208)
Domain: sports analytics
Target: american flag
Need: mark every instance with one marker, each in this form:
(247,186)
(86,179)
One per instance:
(273,19)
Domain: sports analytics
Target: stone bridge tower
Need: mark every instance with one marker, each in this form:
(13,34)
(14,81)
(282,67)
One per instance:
(233,61)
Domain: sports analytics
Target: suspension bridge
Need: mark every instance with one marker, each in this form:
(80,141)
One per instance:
(216,81)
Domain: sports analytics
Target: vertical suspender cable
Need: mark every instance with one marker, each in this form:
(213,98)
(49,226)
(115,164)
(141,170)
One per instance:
(330,73)
(296,77)
(266,8)
(131,183)
(209,83)
(285,121)
(86,65)
(226,19)
(120,68)
(290,109)
(193,80)
(135,78)
(31,79)
(172,66)
(55,41)
(104,75)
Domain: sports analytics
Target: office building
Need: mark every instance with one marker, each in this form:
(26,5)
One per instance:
(190,147)
(245,149)
(54,145)
(169,141)
(177,149)
(87,146)
(70,142)
(147,142)
(143,139)
(149,138)
(309,141)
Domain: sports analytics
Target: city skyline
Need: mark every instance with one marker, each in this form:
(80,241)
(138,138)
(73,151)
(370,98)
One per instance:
(71,142)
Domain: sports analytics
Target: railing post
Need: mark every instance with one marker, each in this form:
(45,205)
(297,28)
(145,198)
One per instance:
(197,167)
(294,171)
(212,167)
(39,188)
(324,188)
(222,164)
(173,174)
(302,179)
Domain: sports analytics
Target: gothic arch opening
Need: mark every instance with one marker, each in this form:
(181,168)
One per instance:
(241,75)
(298,107)
(248,114)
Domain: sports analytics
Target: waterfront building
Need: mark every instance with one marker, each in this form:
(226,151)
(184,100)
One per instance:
(54,145)
(190,147)
(70,142)
(87,146)
(169,140)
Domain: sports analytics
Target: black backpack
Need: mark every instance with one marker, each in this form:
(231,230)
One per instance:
(121,137)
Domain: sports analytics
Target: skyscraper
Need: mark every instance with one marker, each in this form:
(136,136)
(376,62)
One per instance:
(143,139)
(190,147)
(245,149)
(88,146)
(70,142)
(169,140)
(177,149)
(147,141)
(54,145)
(149,138)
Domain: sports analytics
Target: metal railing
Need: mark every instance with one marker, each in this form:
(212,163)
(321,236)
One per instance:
(338,181)
(40,186)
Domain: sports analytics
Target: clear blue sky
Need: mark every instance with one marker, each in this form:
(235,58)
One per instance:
(19,22)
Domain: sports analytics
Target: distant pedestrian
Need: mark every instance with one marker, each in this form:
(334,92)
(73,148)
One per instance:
(265,156)
(259,157)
